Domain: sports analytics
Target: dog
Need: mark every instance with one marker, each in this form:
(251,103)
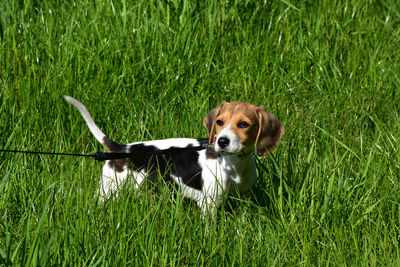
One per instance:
(203,176)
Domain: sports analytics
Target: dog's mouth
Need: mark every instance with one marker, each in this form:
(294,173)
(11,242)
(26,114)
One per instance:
(216,151)
(227,152)
(243,150)
(224,151)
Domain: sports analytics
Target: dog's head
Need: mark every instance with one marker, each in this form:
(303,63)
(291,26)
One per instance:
(240,126)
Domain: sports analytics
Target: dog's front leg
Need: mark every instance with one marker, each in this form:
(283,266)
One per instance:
(208,201)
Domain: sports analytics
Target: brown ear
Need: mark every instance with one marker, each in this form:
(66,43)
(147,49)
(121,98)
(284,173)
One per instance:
(209,120)
(270,132)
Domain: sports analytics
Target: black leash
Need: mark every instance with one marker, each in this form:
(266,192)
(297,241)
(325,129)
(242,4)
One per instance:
(101,156)
(46,153)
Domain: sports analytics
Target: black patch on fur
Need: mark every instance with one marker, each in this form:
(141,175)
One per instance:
(187,167)
(181,163)
(203,141)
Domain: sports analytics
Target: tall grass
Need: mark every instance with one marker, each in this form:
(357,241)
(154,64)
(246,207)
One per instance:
(146,70)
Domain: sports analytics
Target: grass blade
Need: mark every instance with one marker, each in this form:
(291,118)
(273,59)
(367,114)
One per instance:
(34,249)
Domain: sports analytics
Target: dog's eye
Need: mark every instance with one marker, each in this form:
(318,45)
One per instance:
(243,124)
(219,122)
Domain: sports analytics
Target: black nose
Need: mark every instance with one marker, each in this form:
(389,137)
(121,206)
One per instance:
(223,142)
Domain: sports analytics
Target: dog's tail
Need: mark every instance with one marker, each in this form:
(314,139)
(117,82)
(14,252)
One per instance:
(109,144)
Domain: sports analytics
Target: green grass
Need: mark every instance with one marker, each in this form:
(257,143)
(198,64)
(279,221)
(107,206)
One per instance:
(329,70)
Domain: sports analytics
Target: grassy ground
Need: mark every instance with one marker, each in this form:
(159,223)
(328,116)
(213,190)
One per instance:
(329,70)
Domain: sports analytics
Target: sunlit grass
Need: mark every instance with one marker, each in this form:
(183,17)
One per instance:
(150,70)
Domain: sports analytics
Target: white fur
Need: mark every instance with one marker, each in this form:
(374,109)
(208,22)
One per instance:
(112,181)
(98,134)
(167,143)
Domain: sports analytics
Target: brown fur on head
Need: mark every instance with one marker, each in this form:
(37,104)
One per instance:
(209,121)
(261,129)
(270,132)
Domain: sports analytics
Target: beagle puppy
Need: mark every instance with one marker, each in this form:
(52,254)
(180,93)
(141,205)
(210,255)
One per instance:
(205,175)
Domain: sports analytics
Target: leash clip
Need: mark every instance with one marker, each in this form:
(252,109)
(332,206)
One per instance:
(100,156)
(210,152)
